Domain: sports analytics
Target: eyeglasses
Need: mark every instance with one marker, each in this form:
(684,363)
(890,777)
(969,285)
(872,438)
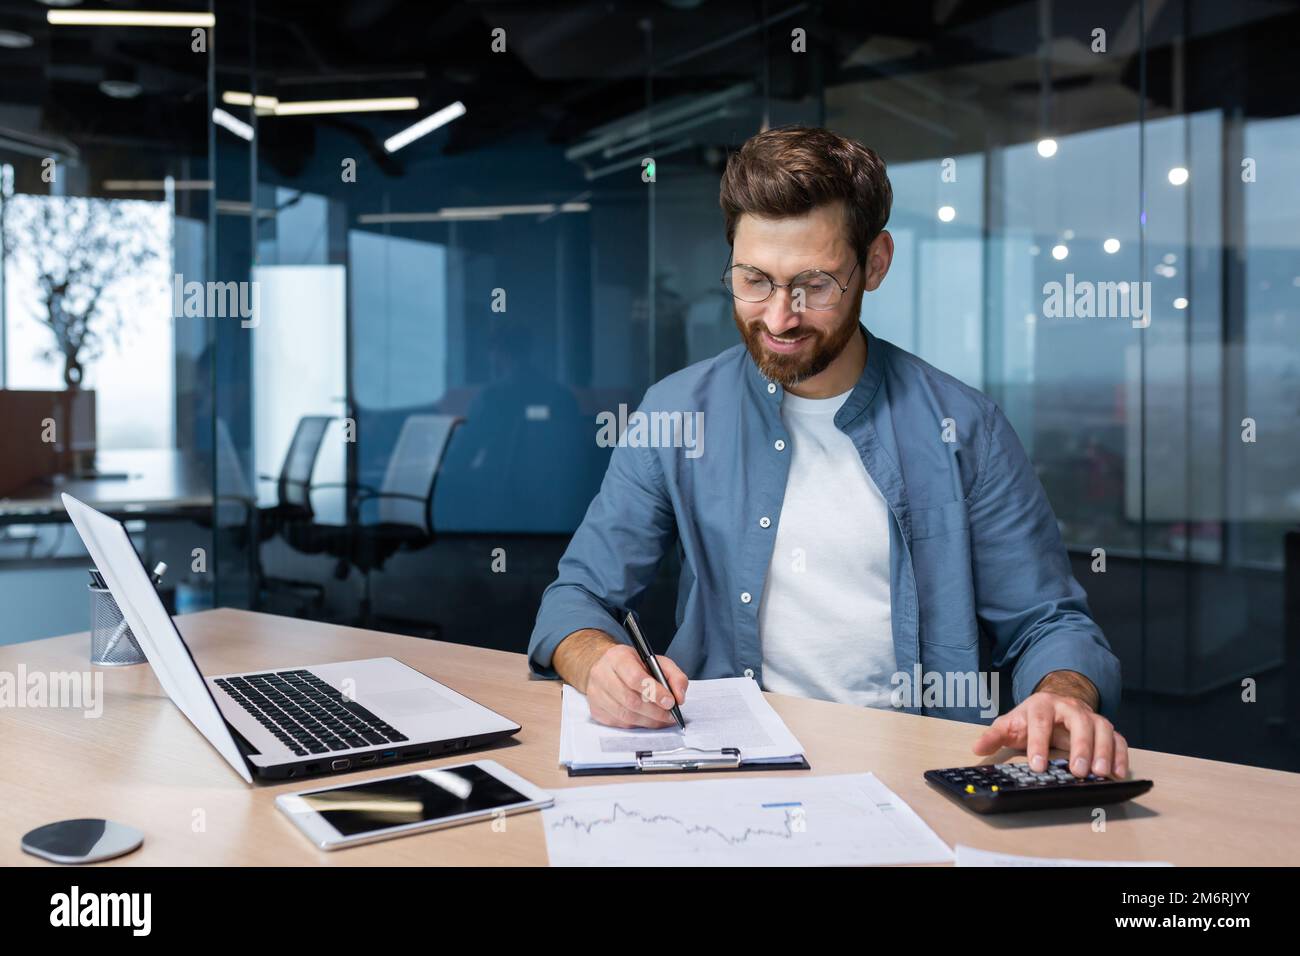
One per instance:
(813,289)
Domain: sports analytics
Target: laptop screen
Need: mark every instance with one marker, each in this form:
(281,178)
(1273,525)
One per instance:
(115,556)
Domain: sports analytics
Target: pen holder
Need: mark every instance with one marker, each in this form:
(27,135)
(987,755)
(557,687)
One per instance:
(111,642)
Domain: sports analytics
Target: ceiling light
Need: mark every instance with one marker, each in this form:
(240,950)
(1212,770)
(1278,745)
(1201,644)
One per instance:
(424,127)
(13,40)
(236,98)
(469,213)
(947,214)
(120,89)
(236,126)
(1060,251)
(1111,246)
(1180,303)
(154,185)
(313,107)
(1178,175)
(1047,148)
(128,18)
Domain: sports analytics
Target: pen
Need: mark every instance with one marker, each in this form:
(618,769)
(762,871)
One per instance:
(651,663)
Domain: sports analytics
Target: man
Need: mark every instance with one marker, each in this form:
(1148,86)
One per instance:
(855,517)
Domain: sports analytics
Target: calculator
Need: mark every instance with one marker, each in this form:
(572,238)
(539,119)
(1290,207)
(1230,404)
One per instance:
(1004,787)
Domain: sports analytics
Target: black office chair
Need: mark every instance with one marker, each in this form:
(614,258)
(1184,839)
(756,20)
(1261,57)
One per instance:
(403,504)
(292,516)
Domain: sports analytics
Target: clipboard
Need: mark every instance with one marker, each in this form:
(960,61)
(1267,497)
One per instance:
(690,760)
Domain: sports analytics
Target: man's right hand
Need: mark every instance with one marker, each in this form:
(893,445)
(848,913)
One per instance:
(619,690)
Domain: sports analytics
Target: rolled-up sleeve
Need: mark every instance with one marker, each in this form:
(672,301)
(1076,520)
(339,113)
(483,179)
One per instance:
(1026,595)
(612,557)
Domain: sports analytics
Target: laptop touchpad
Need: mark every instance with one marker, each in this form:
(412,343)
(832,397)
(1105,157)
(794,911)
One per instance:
(411,703)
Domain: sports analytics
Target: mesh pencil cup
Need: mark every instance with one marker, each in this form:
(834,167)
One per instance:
(111,642)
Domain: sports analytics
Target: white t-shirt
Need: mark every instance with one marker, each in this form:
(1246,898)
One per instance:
(824,618)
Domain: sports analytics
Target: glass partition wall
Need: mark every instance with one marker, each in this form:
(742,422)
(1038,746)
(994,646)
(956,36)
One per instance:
(105,199)
(1095,224)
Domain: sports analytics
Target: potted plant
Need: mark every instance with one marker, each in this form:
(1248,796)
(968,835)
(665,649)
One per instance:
(83,256)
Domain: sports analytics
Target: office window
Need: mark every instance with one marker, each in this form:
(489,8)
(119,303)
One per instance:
(115,256)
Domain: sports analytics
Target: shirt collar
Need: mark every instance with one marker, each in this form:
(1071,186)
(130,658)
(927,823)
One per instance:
(863,392)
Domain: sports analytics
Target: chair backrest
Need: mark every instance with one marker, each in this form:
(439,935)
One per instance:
(300,460)
(233,498)
(232,481)
(413,468)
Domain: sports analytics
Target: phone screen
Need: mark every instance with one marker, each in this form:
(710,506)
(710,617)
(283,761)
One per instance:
(415,798)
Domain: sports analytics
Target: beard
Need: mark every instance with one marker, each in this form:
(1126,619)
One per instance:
(789,370)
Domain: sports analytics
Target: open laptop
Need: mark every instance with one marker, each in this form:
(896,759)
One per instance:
(291,721)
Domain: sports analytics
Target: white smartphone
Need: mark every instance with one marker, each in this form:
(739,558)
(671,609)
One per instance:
(355,813)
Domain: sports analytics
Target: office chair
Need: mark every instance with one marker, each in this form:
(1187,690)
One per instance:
(292,516)
(403,504)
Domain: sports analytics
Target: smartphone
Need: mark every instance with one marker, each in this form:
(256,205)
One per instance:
(355,813)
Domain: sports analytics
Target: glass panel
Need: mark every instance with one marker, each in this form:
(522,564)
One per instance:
(105,194)
(357,379)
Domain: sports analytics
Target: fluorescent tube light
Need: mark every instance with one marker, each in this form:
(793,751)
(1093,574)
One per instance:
(237,98)
(236,126)
(128,18)
(425,126)
(312,107)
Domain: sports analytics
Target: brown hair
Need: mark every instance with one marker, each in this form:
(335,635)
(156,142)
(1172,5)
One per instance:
(790,170)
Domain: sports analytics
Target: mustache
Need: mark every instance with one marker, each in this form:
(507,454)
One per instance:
(756,327)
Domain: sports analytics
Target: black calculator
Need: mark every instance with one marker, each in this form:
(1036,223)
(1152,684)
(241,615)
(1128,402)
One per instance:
(1004,787)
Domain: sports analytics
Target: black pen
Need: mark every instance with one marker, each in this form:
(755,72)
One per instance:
(651,663)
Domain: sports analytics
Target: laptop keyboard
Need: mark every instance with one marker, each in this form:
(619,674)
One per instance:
(306,714)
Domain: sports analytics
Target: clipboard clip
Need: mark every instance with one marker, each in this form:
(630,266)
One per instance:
(688,758)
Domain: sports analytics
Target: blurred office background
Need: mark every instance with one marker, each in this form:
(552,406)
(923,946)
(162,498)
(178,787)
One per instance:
(402,433)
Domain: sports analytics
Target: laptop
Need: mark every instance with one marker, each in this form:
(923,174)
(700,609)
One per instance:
(290,721)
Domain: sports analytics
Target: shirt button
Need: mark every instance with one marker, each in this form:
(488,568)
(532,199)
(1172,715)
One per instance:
(745,597)
(779,445)
(771,388)
(765,522)
(749,672)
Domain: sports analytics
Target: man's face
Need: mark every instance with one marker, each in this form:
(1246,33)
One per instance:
(789,345)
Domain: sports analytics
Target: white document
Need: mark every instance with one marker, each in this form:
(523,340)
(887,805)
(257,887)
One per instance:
(842,820)
(728,712)
(970,856)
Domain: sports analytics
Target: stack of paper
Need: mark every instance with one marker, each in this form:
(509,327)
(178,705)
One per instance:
(729,712)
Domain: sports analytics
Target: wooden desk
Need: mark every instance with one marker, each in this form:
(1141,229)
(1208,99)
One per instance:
(142,763)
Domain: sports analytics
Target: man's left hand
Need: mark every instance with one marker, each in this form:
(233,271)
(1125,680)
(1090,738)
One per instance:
(1061,713)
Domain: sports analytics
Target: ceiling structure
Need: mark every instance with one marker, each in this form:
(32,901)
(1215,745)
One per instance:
(593,78)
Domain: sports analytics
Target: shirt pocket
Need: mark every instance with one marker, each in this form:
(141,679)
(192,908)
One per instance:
(941,562)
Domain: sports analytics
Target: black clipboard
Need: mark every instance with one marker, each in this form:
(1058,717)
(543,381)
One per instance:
(689,760)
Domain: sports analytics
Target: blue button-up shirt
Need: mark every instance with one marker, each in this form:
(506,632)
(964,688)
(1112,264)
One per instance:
(979,578)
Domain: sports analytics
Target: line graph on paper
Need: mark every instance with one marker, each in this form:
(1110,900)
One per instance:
(790,824)
(793,822)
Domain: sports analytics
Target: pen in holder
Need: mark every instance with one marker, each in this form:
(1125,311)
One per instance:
(111,642)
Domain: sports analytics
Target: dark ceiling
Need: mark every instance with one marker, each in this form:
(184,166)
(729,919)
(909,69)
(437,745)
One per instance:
(572,66)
